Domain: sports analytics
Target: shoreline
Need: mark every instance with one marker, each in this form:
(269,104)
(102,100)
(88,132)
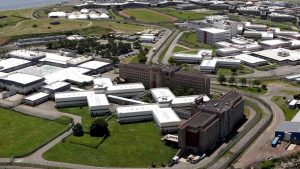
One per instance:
(34,6)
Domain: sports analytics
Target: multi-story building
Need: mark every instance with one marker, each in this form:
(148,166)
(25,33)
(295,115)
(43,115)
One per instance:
(165,76)
(278,17)
(211,122)
(212,35)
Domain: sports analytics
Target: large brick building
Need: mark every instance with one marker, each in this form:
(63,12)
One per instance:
(165,76)
(211,122)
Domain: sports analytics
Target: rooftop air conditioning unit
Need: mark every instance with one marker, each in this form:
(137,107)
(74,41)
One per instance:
(283,53)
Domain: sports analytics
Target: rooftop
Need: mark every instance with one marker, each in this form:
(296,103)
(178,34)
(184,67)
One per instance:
(21,78)
(93,65)
(11,63)
(213,30)
(36,96)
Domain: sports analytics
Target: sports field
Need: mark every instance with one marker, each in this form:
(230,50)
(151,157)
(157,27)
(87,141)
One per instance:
(147,15)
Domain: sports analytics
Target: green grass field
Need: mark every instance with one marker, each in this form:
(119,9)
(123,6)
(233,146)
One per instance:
(189,39)
(267,67)
(20,134)
(179,49)
(242,70)
(146,15)
(129,145)
(288,113)
(184,15)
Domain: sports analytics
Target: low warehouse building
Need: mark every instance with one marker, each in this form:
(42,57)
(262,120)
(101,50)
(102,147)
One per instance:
(289,131)
(26,54)
(56,87)
(280,56)
(21,83)
(12,64)
(97,103)
(274,44)
(36,99)
(96,67)
(250,60)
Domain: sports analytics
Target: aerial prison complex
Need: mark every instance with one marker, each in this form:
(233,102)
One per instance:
(41,77)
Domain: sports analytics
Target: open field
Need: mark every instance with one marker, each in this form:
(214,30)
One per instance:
(288,113)
(184,15)
(147,15)
(44,11)
(179,49)
(129,145)
(20,134)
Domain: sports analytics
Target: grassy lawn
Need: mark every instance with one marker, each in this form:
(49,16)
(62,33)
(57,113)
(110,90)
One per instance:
(267,67)
(11,18)
(241,71)
(20,134)
(43,26)
(288,113)
(184,15)
(179,49)
(189,39)
(129,145)
(147,15)
(290,92)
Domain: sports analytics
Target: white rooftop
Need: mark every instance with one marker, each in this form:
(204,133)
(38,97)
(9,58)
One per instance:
(93,65)
(209,63)
(280,54)
(70,73)
(56,85)
(273,42)
(26,54)
(213,30)
(249,58)
(36,96)
(11,63)
(21,78)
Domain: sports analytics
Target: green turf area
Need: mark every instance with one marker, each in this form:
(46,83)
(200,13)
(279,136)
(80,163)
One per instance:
(241,71)
(184,15)
(290,92)
(251,90)
(11,18)
(189,39)
(267,67)
(147,15)
(179,49)
(129,145)
(20,134)
(288,113)
(114,15)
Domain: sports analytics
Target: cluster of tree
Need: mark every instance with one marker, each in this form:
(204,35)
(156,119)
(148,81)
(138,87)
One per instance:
(112,48)
(99,128)
(243,81)
(148,98)
(77,130)
(180,91)
(142,55)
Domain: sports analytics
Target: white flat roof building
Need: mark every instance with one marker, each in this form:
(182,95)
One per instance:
(192,58)
(26,54)
(251,60)
(12,64)
(21,83)
(166,119)
(56,87)
(212,35)
(97,103)
(36,99)
(72,74)
(275,43)
(227,62)
(55,59)
(208,66)
(280,56)
(105,85)
(59,14)
(227,51)
(96,66)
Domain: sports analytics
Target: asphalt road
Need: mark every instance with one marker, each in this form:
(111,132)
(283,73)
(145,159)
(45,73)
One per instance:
(170,50)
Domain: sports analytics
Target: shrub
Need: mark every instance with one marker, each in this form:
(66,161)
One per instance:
(99,128)
(77,130)
(34,25)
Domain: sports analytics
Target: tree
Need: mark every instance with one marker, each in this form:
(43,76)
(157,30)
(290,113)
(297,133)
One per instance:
(115,60)
(231,80)
(190,91)
(77,130)
(264,86)
(234,70)
(136,45)
(243,81)
(99,128)
(256,82)
(222,79)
